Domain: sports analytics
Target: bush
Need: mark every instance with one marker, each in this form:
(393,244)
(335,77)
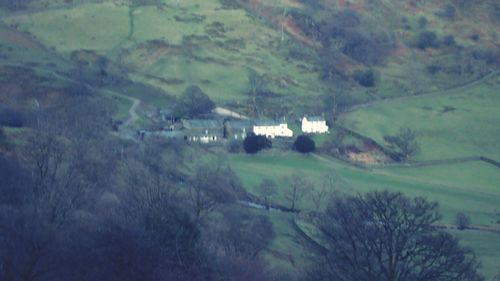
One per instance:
(194,102)
(403,145)
(304,144)
(253,143)
(422,22)
(230,4)
(462,221)
(434,68)
(3,138)
(347,18)
(368,48)
(427,39)
(475,37)
(449,12)
(449,40)
(486,55)
(11,118)
(365,78)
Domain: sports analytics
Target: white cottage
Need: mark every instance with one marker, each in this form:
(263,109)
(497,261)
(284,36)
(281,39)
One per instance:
(314,124)
(272,129)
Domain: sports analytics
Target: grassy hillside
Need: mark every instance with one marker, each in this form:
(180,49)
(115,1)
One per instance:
(171,47)
(470,188)
(315,57)
(473,191)
(460,123)
(212,44)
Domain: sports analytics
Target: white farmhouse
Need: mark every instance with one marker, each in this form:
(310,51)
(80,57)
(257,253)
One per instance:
(314,125)
(272,129)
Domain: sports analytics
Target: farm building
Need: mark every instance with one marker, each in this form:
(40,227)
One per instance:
(237,129)
(272,129)
(204,131)
(314,124)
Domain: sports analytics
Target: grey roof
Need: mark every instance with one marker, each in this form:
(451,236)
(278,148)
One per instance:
(167,134)
(238,124)
(205,132)
(202,124)
(315,118)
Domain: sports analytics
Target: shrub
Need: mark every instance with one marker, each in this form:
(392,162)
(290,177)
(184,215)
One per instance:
(434,68)
(487,55)
(347,18)
(495,14)
(304,144)
(368,48)
(427,39)
(194,102)
(422,22)
(253,143)
(3,138)
(475,37)
(403,145)
(449,12)
(230,4)
(11,118)
(365,78)
(449,40)
(462,221)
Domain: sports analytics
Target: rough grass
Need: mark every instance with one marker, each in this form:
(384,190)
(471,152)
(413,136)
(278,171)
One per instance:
(89,26)
(486,246)
(475,196)
(216,45)
(453,125)
(469,187)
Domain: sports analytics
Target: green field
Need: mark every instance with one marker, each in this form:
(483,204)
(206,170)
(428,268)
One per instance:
(457,124)
(474,191)
(487,247)
(471,188)
(167,47)
(174,46)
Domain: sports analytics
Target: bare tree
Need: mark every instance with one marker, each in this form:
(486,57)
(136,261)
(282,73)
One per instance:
(388,237)
(257,84)
(403,145)
(462,221)
(332,184)
(267,189)
(34,224)
(298,188)
(3,139)
(245,235)
(211,186)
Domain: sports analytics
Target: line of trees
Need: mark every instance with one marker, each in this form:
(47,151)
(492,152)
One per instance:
(80,204)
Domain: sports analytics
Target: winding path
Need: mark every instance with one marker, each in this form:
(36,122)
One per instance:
(132,111)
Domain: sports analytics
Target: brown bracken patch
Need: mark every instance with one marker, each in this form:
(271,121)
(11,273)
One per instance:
(19,39)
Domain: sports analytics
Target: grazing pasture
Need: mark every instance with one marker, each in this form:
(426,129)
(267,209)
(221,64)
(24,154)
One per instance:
(471,188)
(173,46)
(474,191)
(461,123)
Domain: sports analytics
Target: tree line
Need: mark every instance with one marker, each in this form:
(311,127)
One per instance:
(78,203)
(81,204)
